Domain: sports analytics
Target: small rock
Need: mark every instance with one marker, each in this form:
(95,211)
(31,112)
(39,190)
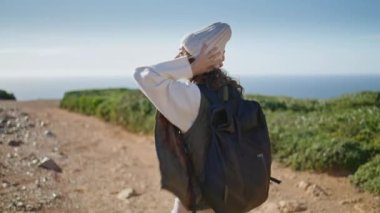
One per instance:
(12,155)
(55,195)
(316,191)
(9,123)
(79,190)
(15,142)
(27,135)
(43,124)
(24,114)
(19,204)
(31,159)
(37,183)
(49,133)
(351,201)
(49,164)
(126,194)
(23,188)
(292,206)
(26,118)
(5,184)
(33,208)
(360,208)
(303,185)
(29,207)
(44,179)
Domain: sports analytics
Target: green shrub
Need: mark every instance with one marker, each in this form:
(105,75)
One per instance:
(367,176)
(361,99)
(125,107)
(137,113)
(279,103)
(330,155)
(107,110)
(4,95)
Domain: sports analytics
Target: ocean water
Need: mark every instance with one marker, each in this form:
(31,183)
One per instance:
(319,87)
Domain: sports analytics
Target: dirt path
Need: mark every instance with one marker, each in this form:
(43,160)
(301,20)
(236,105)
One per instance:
(99,160)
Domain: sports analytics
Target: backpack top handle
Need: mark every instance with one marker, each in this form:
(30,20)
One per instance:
(222,95)
(225,93)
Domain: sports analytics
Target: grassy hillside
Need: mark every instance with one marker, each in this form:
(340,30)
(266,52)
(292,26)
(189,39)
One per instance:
(340,135)
(4,95)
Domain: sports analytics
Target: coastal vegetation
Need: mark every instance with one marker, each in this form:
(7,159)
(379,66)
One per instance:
(340,136)
(4,95)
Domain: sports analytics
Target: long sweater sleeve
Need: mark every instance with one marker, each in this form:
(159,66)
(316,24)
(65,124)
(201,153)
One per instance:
(178,101)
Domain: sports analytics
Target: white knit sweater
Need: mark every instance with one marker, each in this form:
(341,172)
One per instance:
(177,100)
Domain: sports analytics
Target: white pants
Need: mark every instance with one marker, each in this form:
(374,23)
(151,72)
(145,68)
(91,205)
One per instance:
(179,208)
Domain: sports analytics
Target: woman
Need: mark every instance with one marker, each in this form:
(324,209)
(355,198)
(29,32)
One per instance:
(199,61)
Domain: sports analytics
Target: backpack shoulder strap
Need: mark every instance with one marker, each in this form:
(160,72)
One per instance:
(214,97)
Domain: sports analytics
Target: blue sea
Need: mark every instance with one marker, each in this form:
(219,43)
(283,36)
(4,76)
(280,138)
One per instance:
(315,87)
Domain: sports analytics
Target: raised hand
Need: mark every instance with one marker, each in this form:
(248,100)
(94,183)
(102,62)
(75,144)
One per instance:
(207,60)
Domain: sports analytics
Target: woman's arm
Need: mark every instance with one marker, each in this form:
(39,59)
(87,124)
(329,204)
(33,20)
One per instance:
(177,101)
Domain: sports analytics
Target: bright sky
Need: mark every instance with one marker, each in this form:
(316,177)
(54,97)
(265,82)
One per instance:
(96,38)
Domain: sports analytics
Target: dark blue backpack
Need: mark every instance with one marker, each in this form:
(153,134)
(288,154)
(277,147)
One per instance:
(238,163)
(224,161)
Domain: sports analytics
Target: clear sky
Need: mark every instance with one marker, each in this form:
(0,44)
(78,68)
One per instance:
(96,38)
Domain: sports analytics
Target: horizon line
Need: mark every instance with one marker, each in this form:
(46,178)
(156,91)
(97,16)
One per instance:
(232,75)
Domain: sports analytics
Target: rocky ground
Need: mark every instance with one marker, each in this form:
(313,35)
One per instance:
(52,160)
(27,150)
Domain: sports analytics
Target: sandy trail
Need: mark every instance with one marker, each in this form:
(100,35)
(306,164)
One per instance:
(102,159)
